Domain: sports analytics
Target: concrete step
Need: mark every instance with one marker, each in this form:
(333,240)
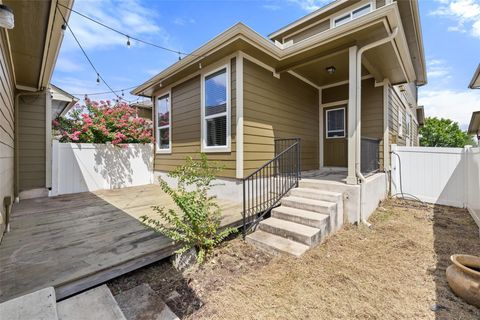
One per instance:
(291,230)
(97,303)
(319,206)
(308,218)
(325,185)
(317,194)
(275,244)
(38,305)
(141,302)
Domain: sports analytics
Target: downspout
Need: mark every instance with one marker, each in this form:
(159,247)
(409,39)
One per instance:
(358,107)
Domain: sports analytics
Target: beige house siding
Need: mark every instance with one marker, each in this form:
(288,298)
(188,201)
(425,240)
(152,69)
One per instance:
(372,108)
(395,104)
(7,126)
(278,108)
(31,141)
(186,124)
(320,27)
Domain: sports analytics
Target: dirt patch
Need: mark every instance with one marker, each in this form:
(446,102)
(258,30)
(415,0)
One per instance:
(394,270)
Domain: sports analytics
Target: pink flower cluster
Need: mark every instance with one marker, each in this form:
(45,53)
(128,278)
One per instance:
(101,122)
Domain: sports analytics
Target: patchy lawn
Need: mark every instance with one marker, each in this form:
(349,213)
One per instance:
(395,270)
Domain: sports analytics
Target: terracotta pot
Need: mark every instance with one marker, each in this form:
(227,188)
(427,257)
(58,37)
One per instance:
(463,277)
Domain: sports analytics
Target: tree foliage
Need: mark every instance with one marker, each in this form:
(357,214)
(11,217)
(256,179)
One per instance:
(101,122)
(196,224)
(443,133)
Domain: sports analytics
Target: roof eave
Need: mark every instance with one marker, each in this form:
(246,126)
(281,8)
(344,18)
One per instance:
(475,79)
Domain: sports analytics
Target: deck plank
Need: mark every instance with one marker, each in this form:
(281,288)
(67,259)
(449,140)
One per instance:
(76,241)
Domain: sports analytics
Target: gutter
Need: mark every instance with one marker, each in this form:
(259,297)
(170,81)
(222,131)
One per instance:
(358,108)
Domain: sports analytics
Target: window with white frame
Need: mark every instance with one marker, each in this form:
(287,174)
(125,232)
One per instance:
(215,110)
(335,123)
(354,14)
(163,123)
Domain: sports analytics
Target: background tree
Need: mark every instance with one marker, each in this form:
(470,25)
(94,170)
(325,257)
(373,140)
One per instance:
(443,133)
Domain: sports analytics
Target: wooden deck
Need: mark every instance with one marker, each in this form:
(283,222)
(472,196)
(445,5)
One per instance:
(73,242)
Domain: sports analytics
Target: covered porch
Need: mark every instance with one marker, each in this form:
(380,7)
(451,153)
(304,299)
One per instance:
(76,241)
(354,74)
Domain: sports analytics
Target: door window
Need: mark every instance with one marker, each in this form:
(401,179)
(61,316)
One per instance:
(335,123)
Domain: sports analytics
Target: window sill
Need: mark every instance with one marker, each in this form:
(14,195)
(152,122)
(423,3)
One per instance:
(166,151)
(216,149)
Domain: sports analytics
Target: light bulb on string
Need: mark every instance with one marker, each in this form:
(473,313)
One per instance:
(98,79)
(128,42)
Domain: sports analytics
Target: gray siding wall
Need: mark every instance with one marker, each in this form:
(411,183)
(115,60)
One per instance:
(31,135)
(307,33)
(7,126)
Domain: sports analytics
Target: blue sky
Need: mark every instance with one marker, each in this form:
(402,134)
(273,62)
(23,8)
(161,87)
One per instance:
(451,32)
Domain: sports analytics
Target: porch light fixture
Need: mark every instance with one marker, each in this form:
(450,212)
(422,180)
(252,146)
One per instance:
(6,17)
(331,70)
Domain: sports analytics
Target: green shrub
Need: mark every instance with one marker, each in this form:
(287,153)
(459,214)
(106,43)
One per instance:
(196,223)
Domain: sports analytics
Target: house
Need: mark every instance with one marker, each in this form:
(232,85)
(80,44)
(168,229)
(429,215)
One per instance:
(474,126)
(475,82)
(28,52)
(144,108)
(62,101)
(342,81)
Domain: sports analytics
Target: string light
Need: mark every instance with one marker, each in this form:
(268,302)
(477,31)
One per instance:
(99,77)
(123,94)
(64,26)
(128,41)
(126,35)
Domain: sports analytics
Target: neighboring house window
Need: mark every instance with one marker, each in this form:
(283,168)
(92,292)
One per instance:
(354,14)
(335,125)
(408,127)
(216,110)
(400,123)
(164,128)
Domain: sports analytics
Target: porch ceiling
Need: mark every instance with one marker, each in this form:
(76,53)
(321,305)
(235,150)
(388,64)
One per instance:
(382,61)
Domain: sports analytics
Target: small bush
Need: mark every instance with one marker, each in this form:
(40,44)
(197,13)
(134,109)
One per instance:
(100,122)
(197,225)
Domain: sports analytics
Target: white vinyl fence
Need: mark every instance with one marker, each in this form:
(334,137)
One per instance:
(448,176)
(80,167)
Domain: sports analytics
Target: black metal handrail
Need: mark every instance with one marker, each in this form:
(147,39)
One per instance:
(264,188)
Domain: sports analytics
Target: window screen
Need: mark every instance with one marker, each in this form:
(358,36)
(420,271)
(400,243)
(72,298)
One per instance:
(216,109)
(361,11)
(342,20)
(336,123)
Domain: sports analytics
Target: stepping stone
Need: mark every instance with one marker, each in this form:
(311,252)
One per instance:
(97,303)
(38,305)
(142,302)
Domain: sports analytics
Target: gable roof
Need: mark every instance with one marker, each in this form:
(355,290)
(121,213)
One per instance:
(242,38)
(474,126)
(475,82)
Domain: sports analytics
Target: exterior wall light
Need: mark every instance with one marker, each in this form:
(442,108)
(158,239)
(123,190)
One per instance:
(6,17)
(331,70)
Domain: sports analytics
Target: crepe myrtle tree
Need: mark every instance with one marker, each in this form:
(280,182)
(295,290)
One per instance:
(102,122)
(443,133)
(195,223)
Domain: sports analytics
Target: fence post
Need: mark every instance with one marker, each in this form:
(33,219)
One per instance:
(394,169)
(466,177)
(55,168)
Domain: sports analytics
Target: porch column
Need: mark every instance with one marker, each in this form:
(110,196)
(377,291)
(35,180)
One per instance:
(352,113)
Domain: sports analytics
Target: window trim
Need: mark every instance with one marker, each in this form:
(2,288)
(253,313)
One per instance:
(350,14)
(227,113)
(157,128)
(344,123)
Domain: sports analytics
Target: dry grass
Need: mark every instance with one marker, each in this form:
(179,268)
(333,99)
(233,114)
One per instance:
(395,270)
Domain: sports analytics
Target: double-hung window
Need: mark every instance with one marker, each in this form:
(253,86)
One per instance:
(349,16)
(216,111)
(164,124)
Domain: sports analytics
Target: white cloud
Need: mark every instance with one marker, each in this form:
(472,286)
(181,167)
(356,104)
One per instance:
(128,16)
(183,22)
(310,5)
(438,68)
(457,105)
(64,64)
(465,14)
